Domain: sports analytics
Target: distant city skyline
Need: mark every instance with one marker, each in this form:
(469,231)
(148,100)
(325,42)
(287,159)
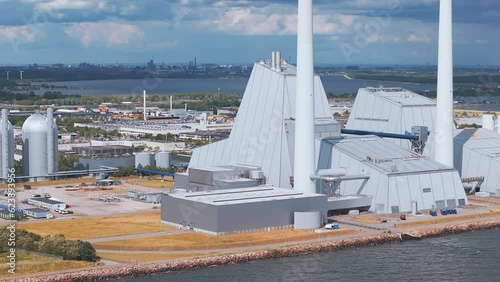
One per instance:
(240,32)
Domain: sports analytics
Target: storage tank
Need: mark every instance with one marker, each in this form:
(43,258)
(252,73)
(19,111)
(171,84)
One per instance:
(307,220)
(6,145)
(162,159)
(40,156)
(144,159)
(488,122)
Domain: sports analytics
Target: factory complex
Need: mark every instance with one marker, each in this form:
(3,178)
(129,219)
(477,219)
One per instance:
(399,152)
(283,161)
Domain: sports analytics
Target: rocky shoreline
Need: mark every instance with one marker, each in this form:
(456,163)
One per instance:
(158,268)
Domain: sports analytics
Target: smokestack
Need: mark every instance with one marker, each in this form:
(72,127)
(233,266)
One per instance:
(50,141)
(4,162)
(186,107)
(304,165)
(170,105)
(273,60)
(278,61)
(444,107)
(144,107)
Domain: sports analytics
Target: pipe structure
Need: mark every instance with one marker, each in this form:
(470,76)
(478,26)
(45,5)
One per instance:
(144,107)
(444,105)
(304,160)
(380,134)
(50,141)
(340,178)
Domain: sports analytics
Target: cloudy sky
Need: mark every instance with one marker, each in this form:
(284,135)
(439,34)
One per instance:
(241,31)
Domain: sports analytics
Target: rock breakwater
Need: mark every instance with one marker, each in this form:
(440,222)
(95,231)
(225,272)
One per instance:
(105,273)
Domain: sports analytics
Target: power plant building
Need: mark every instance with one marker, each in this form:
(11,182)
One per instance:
(377,175)
(396,110)
(337,173)
(393,110)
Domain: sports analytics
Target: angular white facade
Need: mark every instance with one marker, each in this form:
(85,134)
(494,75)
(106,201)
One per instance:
(477,154)
(393,110)
(259,136)
(397,177)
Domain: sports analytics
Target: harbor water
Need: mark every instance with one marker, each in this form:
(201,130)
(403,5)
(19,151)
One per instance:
(470,256)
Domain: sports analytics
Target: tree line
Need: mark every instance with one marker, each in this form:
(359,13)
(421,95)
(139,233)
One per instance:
(56,245)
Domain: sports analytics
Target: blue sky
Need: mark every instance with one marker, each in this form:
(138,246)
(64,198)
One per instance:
(241,31)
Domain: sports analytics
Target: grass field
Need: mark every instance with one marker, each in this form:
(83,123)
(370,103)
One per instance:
(138,258)
(30,263)
(74,181)
(193,241)
(448,218)
(99,227)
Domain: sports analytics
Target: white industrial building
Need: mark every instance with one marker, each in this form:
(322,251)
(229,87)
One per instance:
(372,173)
(285,130)
(393,110)
(37,213)
(47,203)
(396,110)
(477,155)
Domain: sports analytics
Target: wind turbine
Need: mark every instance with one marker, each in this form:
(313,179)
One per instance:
(21,74)
(7,74)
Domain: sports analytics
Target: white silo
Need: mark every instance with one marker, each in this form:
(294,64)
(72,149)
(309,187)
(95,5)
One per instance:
(488,122)
(40,155)
(144,159)
(162,159)
(6,145)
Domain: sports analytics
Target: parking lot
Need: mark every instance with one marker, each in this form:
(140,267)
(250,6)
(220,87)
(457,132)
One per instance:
(88,200)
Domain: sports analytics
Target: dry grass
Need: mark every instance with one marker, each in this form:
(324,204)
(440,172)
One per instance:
(152,183)
(31,263)
(193,241)
(133,258)
(100,227)
(448,218)
(74,181)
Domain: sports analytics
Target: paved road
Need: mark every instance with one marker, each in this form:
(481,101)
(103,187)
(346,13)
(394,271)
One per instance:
(365,232)
(135,236)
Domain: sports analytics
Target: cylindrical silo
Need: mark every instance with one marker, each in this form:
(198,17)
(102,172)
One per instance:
(6,145)
(144,159)
(35,146)
(162,159)
(40,155)
(307,220)
(488,122)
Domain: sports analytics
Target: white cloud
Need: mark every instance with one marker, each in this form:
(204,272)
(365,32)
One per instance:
(482,41)
(419,38)
(21,34)
(108,33)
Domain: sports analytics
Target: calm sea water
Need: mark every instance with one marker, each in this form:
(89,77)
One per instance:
(333,84)
(471,256)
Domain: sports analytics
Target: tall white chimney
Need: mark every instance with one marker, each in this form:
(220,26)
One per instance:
(444,107)
(304,165)
(273,60)
(170,113)
(50,141)
(278,61)
(144,106)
